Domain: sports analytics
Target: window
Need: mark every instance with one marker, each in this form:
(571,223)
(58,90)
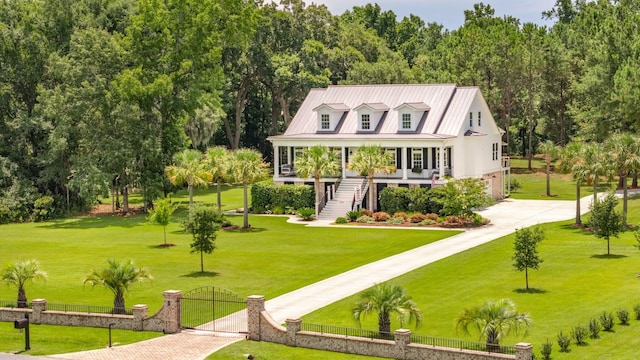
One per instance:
(284,155)
(392,151)
(479,118)
(470,119)
(366,121)
(416,158)
(325,123)
(297,151)
(406,121)
(446,162)
(495,151)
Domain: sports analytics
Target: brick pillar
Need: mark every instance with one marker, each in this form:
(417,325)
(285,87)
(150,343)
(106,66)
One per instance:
(402,338)
(524,351)
(293,326)
(255,306)
(37,307)
(139,314)
(171,311)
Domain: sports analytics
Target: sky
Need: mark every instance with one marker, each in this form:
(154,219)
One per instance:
(449,13)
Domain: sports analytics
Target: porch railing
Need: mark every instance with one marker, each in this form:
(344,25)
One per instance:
(328,195)
(358,195)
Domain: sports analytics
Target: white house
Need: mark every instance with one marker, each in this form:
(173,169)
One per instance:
(432,130)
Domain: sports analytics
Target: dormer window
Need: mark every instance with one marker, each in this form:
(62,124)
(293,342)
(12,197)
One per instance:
(406,121)
(410,115)
(325,122)
(370,116)
(329,116)
(470,119)
(479,118)
(365,122)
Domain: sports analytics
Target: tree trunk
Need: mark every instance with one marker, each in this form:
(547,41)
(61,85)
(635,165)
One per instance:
(578,221)
(384,325)
(608,248)
(316,184)
(246,206)
(201,262)
(624,203)
(493,344)
(164,228)
(595,190)
(372,195)
(22,298)
(548,161)
(118,304)
(526,277)
(190,188)
(125,199)
(219,190)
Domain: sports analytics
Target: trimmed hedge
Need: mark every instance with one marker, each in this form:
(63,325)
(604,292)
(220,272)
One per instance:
(401,199)
(266,195)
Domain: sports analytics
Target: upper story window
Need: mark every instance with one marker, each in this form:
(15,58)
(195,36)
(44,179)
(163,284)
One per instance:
(494,151)
(365,120)
(479,118)
(325,122)
(470,119)
(406,121)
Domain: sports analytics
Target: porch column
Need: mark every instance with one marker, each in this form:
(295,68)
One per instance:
(276,160)
(404,163)
(344,162)
(441,161)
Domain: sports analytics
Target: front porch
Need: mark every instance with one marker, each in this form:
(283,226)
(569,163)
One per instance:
(415,164)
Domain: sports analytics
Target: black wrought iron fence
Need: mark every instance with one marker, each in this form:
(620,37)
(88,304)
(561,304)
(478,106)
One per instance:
(89,309)
(462,344)
(416,339)
(12,304)
(347,332)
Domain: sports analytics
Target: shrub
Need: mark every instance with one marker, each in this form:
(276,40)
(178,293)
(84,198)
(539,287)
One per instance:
(403,216)
(606,320)
(365,212)
(579,334)
(636,310)
(479,220)
(417,217)
(365,219)
(594,328)
(564,341)
(353,215)
(432,216)
(43,208)
(623,316)
(307,214)
(395,221)
(545,350)
(341,220)
(394,199)
(277,210)
(426,222)
(514,185)
(266,195)
(381,216)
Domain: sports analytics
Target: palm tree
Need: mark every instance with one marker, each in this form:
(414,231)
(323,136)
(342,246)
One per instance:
(217,163)
(118,278)
(572,161)
(550,151)
(595,166)
(368,161)
(317,161)
(624,150)
(19,274)
(493,320)
(188,167)
(384,300)
(247,167)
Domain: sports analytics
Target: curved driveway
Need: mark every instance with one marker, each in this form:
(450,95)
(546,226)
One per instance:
(506,217)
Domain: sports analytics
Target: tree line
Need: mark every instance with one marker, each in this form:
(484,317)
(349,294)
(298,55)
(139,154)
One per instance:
(98,96)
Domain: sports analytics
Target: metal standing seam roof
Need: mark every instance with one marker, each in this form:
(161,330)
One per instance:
(447,106)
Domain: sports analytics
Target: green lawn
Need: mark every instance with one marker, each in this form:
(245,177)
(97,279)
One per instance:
(272,259)
(575,283)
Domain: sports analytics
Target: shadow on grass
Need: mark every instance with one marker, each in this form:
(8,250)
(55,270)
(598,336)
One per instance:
(608,256)
(530,291)
(201,274)
(93,222)
(240,229)
(162,246)
(575,228)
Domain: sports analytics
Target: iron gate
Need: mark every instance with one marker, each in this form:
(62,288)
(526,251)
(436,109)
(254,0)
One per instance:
(213,309)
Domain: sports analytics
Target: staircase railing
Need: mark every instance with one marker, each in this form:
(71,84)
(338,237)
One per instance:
(328,195)
(358,195)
